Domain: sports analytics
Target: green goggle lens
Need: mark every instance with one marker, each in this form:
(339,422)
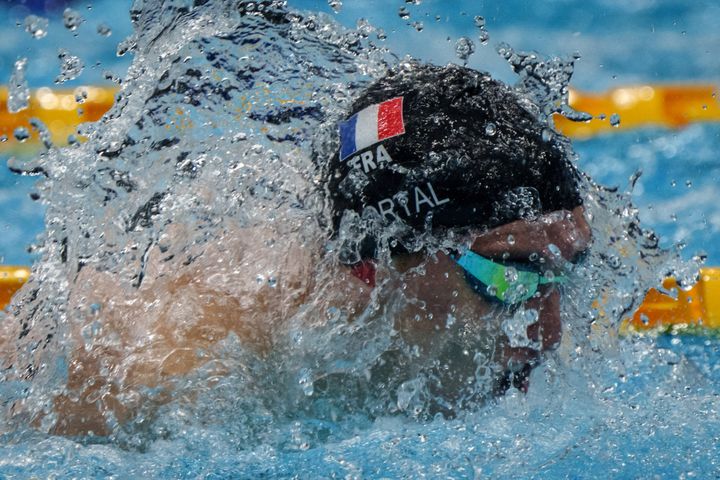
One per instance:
(508,284)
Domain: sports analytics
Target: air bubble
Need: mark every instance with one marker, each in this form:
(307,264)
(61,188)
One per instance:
(36,26)
(615,120)
(479,21)
(418,26)
(72,19)
(404,13)
(511,239)
(490,129)
(464,48)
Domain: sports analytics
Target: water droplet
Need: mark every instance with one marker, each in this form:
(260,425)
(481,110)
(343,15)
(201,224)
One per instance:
(404,13)
(43,132)
(689,184)
(36,26)
(533,257)
(21,134)
(3,138)
(547,135)
(615,120)
(104,30)
(491,290)
(336,5)
(72,19)
(549,275)
(80,95)
(511,239)
(306,382)
(364,27)
(554,250)
(490,129)
(511,275)
(18,90)
(70,66)
(673,183)
(484,37)
(418,26)
(108,75)
(413,2)
(464,48)
(644,319)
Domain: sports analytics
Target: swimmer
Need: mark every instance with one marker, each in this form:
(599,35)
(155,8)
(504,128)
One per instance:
(452,154)
(449,211)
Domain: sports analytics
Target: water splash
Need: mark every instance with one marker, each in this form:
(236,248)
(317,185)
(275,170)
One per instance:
(197,193)
(18,90)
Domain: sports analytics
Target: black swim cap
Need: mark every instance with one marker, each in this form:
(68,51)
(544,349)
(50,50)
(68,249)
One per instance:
(432,148)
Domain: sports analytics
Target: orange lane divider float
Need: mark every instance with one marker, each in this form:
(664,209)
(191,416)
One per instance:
(11,279)
(59,110)
(678,310)
(670,106)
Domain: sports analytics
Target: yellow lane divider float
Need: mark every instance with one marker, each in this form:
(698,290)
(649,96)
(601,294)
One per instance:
(671,106)
(60,111)
(11,279)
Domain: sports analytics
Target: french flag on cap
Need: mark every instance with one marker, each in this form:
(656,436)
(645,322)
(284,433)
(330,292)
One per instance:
(370,126)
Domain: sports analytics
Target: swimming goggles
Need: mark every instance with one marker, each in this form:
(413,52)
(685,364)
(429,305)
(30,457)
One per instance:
(506,283)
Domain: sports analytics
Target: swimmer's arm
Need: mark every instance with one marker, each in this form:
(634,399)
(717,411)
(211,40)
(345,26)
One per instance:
(569,231)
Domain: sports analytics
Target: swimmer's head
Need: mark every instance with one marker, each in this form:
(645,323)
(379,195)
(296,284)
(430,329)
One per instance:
(428,148)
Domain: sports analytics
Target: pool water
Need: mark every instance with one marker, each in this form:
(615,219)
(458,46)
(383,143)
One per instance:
(601,407)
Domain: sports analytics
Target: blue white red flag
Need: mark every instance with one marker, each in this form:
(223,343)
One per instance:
(370,126)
